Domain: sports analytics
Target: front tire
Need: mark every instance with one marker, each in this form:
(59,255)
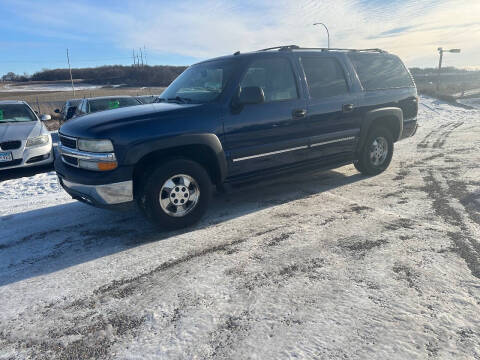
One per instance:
(176,194)
(376,154)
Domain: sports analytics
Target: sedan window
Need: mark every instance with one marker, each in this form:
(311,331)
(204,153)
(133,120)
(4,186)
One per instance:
(16,113)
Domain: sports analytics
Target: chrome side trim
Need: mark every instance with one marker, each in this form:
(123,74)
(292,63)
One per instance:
(270,153)
(333,141)
(107,194)
(83,155)
(294,149)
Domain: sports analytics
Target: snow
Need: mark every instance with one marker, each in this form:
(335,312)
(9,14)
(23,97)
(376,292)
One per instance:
(48,87)
(327,265)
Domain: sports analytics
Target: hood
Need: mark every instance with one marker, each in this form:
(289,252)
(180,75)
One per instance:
(20,130)
(102,121)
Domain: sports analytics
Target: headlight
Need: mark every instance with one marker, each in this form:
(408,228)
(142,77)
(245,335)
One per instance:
(96,146)
(38,140)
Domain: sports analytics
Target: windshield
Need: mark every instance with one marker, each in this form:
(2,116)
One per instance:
(16,113)
(199,83)
(112,103)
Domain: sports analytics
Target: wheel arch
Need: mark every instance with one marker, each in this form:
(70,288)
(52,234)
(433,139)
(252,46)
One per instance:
(391,118)
(204,149)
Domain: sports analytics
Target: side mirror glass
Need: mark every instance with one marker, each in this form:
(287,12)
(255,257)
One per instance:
(251,95)
(70,112)
(45,117)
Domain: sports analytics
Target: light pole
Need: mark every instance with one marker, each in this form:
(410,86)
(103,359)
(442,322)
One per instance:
(328,33)
(441,51)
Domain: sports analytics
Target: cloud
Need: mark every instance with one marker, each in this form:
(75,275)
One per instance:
(201,29)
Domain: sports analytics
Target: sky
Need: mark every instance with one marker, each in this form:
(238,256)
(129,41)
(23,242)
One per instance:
(35,34)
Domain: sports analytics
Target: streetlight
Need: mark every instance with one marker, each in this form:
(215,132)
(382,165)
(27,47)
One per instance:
(441,51)
(328,33)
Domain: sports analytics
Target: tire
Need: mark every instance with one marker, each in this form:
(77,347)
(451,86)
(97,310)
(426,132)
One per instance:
(371,160)
(183,181)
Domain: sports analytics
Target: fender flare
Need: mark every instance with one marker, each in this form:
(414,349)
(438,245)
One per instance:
(138,151)
(372,115)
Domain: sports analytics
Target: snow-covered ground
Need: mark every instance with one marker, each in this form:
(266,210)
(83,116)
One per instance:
(47,87)
(330,265)
(473,102)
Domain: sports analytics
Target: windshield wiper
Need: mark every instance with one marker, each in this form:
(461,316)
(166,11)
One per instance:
(180,99)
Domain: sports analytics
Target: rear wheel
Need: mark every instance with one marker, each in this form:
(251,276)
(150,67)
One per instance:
(377,152)
(176,194)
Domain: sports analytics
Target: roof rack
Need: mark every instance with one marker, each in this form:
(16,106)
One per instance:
(294,47)
(281,48)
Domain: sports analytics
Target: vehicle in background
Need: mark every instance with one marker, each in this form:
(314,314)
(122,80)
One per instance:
(68,109)
(96,104)
(24,139)
(147,99)
(241,118)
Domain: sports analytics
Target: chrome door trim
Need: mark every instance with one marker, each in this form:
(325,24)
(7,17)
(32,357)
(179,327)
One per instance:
(294,148)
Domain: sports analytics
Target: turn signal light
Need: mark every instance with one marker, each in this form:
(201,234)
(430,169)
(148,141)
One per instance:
(106,166)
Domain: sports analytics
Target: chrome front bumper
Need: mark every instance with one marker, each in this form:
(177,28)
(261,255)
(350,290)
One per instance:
(99,195)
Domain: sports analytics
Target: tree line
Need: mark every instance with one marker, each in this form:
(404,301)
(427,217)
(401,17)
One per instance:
(160,75)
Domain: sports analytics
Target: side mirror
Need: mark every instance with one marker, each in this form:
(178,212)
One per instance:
(45,117)
(251,95)
(70,112)
(57,111)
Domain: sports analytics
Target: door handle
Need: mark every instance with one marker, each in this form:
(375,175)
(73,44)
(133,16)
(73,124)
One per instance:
(347,108)
(299,113)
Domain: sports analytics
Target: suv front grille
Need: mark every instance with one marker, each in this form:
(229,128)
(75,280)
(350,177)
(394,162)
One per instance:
(68,142)
(70,160)
(10,145)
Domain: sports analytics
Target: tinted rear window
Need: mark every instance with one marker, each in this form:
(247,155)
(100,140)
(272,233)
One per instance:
(380,71)
(325,77)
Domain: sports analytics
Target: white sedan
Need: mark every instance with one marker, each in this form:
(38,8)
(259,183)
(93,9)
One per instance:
(24,139)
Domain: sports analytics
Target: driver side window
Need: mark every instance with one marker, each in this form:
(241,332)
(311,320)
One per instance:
(275,76)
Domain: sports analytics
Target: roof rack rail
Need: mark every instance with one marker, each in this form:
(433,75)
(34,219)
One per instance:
(344,49)
(293,47)
(281,48)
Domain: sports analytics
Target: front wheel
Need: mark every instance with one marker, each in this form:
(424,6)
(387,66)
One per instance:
(176,194)
(376,154)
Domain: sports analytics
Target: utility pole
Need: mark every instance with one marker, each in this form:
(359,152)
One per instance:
(441,51)
(145,54)
(141,55)
(70,70)
(133,52)
(328,32)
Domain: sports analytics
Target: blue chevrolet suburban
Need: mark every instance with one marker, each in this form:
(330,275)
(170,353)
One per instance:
(237,118)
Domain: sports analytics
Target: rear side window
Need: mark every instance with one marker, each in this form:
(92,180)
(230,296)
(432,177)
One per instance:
(325,77)
(274,76)
(380,71)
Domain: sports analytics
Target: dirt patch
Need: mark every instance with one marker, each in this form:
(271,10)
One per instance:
(401,223)
(125,287)
(359,208)
(405,272)
(360,246)
(278,239)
